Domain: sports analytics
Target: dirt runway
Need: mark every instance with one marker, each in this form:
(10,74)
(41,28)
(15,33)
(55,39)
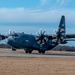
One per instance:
(21,65)
(36,66)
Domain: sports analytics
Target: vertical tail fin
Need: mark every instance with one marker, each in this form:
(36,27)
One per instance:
(61,33)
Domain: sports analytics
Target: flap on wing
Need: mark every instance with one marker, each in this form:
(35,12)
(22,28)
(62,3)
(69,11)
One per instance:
(2,37)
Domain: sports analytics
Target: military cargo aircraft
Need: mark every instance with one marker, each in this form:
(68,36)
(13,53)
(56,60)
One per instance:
(41,41)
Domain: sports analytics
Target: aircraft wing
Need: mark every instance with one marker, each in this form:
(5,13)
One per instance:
(52,37)
(2,37)
(70,40)
(70,36)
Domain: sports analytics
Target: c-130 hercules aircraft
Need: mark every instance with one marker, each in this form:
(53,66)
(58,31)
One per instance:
(40,42)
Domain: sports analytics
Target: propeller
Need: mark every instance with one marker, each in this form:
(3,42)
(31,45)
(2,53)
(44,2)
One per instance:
(41,37)
(56,30)
(11,33)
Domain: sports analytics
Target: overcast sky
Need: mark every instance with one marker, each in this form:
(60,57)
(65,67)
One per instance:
(36,10)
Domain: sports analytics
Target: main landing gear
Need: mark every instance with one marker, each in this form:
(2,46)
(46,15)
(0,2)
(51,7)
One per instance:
(43,52)
(28,51)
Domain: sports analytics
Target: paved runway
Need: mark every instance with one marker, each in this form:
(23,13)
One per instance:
(21,53)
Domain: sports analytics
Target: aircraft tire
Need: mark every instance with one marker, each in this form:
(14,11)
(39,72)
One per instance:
(39,51)
(30,51)
(43,52)
(26,51)
(13,49)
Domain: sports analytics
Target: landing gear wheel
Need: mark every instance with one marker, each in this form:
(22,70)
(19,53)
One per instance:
(40,52)
(43,52)
(26,51)
(30,51)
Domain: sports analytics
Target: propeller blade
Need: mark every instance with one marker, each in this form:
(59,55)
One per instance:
(41,38)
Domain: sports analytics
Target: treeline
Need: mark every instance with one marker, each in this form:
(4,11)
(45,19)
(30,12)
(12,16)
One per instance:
(64,48)
(57,48)
(5,46)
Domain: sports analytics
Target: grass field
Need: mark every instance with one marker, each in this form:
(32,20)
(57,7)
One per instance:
(37,66)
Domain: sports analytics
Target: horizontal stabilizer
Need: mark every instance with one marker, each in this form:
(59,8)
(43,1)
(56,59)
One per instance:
(70,36)
(70,40)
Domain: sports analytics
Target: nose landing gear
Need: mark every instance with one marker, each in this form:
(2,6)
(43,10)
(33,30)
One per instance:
(13,49)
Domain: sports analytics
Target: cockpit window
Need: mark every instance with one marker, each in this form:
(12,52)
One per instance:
(15,35)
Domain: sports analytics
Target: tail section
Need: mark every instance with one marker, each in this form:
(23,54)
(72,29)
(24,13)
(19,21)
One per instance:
(61,32)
